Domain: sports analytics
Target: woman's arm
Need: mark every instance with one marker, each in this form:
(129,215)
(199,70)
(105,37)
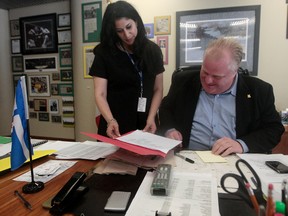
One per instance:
(100,91)
(156,100)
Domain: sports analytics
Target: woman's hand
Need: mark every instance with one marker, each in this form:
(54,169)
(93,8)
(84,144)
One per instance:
(112,129)
(150,126)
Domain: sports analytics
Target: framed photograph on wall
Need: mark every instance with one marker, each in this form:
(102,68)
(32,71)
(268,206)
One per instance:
(195,29)
(91,21)
(43,116)
(162,42)
(65,55)
(162,25)
(88,58)
(17,63)
(54,89)
(65,89)
(39,85)
(15,46)
(64,20)
(64,36)
(40,105)
(56,118)
(38,34)
(149,27)
(53,105)
(40,64)
(14,28)
(66,75)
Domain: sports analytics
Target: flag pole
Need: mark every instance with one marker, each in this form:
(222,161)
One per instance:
(33,186)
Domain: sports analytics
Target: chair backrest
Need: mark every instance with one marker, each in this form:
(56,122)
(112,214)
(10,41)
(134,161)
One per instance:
(97,120)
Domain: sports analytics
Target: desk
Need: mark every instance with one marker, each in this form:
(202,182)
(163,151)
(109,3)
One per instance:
(93,202)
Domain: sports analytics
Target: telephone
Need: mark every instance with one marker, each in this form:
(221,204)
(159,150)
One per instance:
(68,193)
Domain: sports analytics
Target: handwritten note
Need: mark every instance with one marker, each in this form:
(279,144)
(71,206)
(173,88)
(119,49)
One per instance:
(208,157)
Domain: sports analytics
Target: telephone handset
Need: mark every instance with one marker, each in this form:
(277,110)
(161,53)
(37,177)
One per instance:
(72,189)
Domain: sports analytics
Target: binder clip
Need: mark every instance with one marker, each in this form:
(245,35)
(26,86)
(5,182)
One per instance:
(162,213)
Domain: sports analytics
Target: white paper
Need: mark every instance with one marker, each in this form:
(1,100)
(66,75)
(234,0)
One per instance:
(149,140)
(189,195)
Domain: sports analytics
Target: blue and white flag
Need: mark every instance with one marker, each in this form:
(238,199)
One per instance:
(20,131)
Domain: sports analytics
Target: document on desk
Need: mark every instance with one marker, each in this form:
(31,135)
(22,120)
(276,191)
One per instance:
(140,142)
(46,171)
(88,150)
(190,194)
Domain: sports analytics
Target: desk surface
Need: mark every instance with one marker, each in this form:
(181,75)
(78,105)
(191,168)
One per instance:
(93,202)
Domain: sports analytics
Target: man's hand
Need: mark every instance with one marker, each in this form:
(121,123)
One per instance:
(174,134)
(226,146)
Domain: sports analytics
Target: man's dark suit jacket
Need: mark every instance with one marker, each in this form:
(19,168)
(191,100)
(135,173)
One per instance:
(258,123)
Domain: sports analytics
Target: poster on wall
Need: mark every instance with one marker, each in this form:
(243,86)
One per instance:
(91,21)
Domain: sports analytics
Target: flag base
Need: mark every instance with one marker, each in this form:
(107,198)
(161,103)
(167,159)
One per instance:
(33,187)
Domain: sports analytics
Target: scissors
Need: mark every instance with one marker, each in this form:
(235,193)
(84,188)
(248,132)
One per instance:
(242,180)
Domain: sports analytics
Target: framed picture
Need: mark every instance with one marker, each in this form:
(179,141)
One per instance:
(68,122)
(55,76)
(33,115)
(88,58)
(65,89)
(67,101)
(38,34)
(91,21)
(14,28)
(68,111)
(54,89)
(53,106)
(162,25)
(17,63)
(15,46)
(64,20)
(40,105)
(195,29)
(43,116)
(149,27)
(56,118)
(65,55)
(39,85)
(162,42)
(64,37)
(66,75)
(40,64)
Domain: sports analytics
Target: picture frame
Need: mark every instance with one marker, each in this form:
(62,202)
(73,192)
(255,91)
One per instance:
(67,101)
(15,46)
(54,89)
(38,34)
(68,122)
(66,89)
(55,76)
(196,28)
(43,116)
(16,78)
(40,105)
(91,21)
(40,64)
(149,27)
(14,28)
(65,56)
(88,58)
(39,86)
(66,75)
(64,36)
(56,118)
(162,25)
(163,43)
(53,105)
(33,115)
(64,20)
(17,63)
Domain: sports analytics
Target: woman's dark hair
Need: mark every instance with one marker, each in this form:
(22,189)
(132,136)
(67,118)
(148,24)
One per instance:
(115,11)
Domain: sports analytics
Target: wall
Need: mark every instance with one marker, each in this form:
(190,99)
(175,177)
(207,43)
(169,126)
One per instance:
(42,128)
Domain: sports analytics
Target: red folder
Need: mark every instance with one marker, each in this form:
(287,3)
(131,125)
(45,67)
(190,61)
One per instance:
(128,146)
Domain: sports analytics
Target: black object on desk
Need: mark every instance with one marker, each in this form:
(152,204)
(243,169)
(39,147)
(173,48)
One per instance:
(101,187)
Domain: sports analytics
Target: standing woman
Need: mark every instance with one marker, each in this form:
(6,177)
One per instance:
(127,72)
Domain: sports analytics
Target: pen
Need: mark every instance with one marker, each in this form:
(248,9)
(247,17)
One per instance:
(26,203)
(184,158)
(252,197)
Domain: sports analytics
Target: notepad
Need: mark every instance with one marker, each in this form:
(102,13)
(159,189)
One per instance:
(208,157)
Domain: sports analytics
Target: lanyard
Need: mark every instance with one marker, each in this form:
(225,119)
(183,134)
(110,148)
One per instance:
(137,69)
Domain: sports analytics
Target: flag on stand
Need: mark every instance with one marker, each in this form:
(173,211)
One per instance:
(20,127)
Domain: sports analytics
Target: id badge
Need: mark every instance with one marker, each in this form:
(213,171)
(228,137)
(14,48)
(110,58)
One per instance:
(141,104)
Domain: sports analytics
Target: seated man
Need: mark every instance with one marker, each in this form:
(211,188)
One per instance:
(220,110)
